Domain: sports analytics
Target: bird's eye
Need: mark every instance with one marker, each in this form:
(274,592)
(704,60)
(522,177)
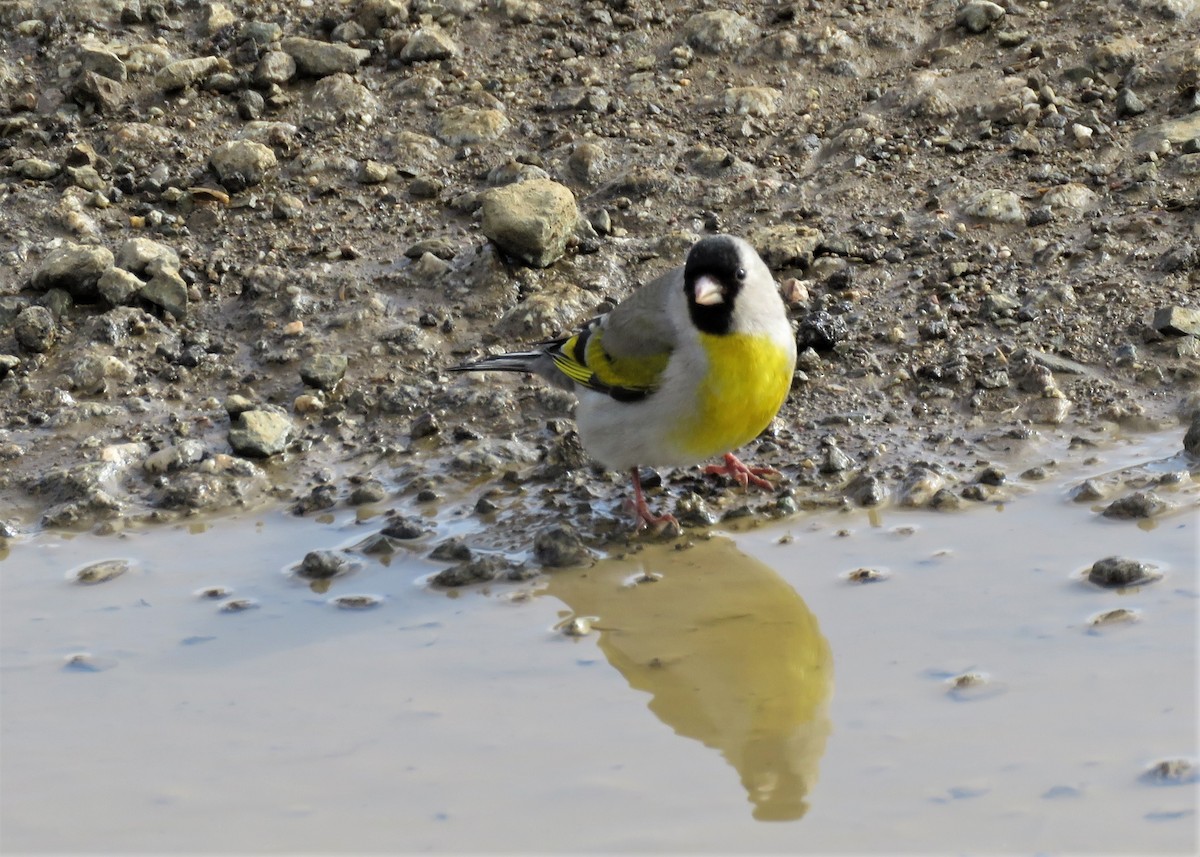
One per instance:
(740,273)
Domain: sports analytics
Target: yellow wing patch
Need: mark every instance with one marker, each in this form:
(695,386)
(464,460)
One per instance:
(582,358)
(566,361)
(638,373)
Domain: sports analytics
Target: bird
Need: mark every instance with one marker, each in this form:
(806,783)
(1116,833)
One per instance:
(690,366)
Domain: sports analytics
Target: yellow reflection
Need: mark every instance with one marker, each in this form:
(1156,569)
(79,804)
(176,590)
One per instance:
(729,653)
(364,513)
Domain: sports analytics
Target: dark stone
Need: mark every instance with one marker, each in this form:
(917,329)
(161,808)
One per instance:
(320,565)
(1128,104)
(1191,440)
(103,93)
(1116,571)
(371,491)
(867,490)
(559,546)
(34,328)
(424,425)
(821,331)
(323,371)
(401,527)
(1140,504)
(991,476)
(452,548)
(478,570)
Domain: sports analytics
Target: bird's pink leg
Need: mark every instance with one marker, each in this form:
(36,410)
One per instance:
(742,474)
(646,518)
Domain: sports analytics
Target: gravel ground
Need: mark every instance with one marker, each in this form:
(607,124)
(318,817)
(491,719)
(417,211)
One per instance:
(243,241)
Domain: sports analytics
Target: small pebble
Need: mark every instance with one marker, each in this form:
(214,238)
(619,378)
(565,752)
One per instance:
(1172,772)
(86,662)
(966,681)
(1088,491)
(579,626)
(100,572)
(1119,616)
(214,592)
(866,575)
(356,602)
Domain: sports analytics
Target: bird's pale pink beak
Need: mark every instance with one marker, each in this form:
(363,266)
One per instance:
(708,292)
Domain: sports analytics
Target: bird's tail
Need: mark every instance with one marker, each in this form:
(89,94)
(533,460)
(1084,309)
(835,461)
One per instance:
(513,361)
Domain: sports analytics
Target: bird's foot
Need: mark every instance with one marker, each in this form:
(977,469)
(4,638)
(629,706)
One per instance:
(741,474)
(646,518)
(657,523)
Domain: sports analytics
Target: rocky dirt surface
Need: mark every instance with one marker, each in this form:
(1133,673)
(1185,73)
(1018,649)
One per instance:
(243,241)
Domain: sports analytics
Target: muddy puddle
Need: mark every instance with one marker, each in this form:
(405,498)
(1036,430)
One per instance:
(859,681)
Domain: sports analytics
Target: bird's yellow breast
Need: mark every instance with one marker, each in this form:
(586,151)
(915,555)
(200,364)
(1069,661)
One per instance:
(747,380)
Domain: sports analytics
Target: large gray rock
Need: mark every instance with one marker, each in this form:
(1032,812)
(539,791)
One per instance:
(145,256)
(274,67)
(785,245)
(559,546)
(259,433)
(92,372)
(217,16)
(242,163)
(175,457)
(760,101)
(1191,440)
(77,268)
(587,162)
(339,98)
(167,290)
(978,16)
(184,73)
(102,61)
(1072,198)
(531,220)
(34,328)
(465,126)
(105,94)
(1182,321)
(37,169)
(428,43)
(323,371)
(321,59)
(996,205)
(717,31)
(373,15)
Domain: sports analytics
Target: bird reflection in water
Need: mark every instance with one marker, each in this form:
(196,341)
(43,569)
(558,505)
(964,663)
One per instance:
(729,653)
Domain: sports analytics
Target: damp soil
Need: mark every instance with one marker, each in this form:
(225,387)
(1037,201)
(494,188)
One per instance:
(243,242)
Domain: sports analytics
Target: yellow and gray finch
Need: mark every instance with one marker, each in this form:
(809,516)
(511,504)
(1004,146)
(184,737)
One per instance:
(691,366)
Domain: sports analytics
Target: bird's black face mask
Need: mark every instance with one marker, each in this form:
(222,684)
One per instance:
(712,278)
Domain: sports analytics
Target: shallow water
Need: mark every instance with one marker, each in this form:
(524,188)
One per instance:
(739,695)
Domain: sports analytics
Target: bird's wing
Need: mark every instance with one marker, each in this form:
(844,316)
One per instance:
(624,352)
